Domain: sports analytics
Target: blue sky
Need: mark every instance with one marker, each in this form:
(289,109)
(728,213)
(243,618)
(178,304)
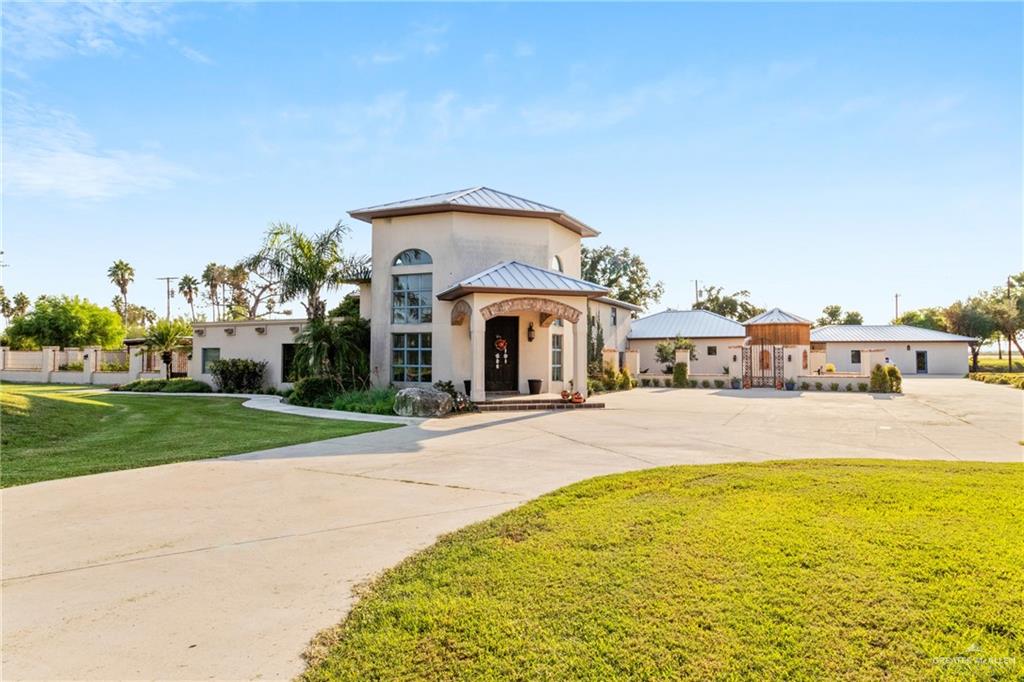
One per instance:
(813,154)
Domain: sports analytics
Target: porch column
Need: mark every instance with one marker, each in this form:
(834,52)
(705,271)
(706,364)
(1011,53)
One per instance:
(579,363)
(477,337)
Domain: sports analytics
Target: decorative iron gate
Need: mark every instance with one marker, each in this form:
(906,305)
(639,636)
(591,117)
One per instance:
(763,366)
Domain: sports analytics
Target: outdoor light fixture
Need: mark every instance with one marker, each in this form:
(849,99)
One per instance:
(908,346)
(789,358)
(530,333)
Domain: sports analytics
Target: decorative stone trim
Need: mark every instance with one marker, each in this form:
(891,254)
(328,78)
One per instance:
(460,313)
(550,310)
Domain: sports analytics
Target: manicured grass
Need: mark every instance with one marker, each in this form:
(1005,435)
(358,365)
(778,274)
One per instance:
(55,432)
(993,363)
(828,569)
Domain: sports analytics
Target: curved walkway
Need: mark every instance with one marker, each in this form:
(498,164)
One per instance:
(224,569)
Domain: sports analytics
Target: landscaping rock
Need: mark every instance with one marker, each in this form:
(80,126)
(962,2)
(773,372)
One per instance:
(422,402)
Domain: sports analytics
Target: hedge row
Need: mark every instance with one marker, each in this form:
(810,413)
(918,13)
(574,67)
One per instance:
(1015,380)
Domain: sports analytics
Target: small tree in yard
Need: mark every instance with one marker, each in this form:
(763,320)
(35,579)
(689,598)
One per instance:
(165,337)
(666,351)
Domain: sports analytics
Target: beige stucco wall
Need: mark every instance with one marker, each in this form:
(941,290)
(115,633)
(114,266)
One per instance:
(460,245)
(703,364)
(946,357)
(614,334)
(245,343)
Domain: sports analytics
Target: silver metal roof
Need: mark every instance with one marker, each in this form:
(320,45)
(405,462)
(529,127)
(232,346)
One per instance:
(878,333)
(688,324)
(777,316)
(478,200)
(513,275)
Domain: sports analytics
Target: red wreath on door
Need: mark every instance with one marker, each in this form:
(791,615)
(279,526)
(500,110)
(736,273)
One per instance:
(501,344)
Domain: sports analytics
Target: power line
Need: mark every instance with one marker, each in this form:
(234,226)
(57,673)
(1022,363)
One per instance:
(170,293)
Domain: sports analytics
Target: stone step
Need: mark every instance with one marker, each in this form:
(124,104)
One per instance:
(520,405)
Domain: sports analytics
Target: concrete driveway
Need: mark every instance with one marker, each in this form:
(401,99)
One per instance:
(224,569)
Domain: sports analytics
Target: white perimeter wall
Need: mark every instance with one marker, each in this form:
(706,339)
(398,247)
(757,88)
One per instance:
(946,357)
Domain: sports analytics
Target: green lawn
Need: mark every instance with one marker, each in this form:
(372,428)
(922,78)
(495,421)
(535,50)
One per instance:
(51,432)
(829,569)
(993,363)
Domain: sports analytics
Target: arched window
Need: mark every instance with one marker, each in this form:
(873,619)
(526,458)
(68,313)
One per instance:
(413,257)
(556,264)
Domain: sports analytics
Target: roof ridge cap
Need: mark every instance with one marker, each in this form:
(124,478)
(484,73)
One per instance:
(461,193)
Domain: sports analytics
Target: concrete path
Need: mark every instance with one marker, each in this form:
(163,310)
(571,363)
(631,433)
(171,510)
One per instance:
(224,569)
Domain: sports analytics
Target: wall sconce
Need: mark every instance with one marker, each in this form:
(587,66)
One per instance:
(531,334)
(734,358)
(789,358)
(908,346)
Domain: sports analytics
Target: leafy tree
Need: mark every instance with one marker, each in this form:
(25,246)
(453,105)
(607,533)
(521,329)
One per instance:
(622,271)
(136,315)
(165,337)
(833,314)
(735,306)
(971,318)
(349,307)
(335,349)
(121,274)
(927,318)
(1003,306)
(305,266)
(20,305)
(5,305)
(666,351)
(188,287)
(67,322)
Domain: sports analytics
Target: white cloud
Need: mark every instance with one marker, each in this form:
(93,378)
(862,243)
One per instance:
(423,39)
(523,50)
(45,151)
(37,31)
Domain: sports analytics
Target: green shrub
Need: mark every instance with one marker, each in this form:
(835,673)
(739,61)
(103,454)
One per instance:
(705,384)
(1004,379)
(238,375)
(114,366)
(862,387)
(879,382)
(185,385)
(72,367)
(804,386)
(849,388)
(833,386)
(315,391)
(692,383)
(829,368)
(594,386)
(892,373)
(679,375)
(625,381)
(645,382)
(719,383)
(818,386)
(372,401)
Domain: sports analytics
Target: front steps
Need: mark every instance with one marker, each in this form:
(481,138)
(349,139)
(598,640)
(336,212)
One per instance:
(526,403)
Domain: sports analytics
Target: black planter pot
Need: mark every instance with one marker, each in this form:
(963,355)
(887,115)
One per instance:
(534,386)
(468,384)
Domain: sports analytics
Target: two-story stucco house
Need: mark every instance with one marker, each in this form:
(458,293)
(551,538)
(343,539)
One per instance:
(474,286)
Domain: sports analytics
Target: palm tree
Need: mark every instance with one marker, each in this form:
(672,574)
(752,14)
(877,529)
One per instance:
(165,337)
(121,274)
(20,305)
(212,275)
(335,349)
(188,286)
(306,265)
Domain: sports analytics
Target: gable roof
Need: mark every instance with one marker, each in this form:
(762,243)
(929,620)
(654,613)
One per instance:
(876,333)
(475,200)
(513,276)
(777,316)
(688,324)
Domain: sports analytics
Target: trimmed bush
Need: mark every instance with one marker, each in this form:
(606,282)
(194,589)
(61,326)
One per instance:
(804,386)
(679,375)
(372,401)
(818,386)
(72,367)
(849,388)
(113,366)
(315,392)
(164,386)
(892,373)
(692,383)
(862,387)
(594,386)
(879,382)
(238,375)
(625,382)
(645,382)
(833,386)
(999,378)
(719,383)
(705,384)
(830,368)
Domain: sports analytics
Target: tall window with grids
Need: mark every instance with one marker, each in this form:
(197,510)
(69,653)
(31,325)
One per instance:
(411,357)
(411,299)
(556,357)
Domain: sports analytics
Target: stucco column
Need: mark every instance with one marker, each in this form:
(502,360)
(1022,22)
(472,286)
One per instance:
(3,357)
(134,362)
(579,362)
(48,363)
(90,363)
(477,336)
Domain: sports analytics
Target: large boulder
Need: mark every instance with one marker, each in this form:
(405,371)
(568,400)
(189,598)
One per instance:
(422,402)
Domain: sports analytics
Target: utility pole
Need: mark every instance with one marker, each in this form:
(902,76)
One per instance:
(170,293)
(897,306)
(696,292)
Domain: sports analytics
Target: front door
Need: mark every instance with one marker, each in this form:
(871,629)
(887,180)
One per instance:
(501,354)
(922,362)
